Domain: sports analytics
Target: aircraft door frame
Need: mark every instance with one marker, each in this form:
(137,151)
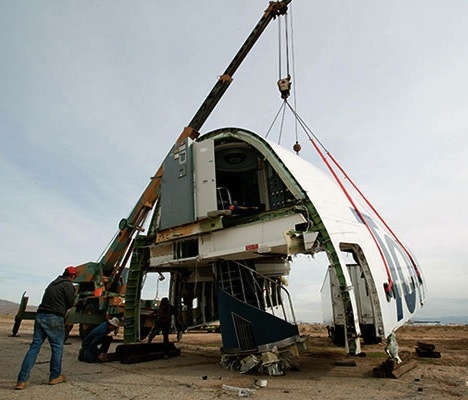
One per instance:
(204,178)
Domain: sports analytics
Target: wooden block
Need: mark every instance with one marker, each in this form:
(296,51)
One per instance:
(426,346)
(403,368)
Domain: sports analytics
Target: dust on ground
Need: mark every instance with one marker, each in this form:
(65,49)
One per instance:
(197,373)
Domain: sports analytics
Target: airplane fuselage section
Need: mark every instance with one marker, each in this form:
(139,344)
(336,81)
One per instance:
(232,198)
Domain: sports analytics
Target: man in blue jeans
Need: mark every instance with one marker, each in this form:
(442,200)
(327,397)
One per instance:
(97,342)
(49,324)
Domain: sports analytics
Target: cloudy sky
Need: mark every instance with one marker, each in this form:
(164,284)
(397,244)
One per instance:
(94,93)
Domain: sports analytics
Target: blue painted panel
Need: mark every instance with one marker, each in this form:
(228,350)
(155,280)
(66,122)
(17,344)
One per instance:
(265,328)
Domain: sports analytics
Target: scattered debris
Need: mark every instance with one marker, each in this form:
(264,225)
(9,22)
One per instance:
(260,383)
(427,350)
(248,363)
(274,362)
(242,392)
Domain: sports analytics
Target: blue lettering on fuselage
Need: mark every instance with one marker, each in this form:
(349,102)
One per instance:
(409,292)
(390,249)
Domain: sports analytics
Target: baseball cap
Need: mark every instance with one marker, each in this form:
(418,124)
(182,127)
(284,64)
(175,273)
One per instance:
(71,270)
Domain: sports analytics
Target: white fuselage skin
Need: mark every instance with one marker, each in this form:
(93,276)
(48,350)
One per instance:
(343,226)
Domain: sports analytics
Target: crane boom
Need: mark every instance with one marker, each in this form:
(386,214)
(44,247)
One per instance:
(129,226)
(274,9)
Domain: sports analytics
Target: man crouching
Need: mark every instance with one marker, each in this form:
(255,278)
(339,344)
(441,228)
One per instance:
(96,344)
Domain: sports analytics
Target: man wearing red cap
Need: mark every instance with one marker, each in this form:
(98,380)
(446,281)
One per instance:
(58,298)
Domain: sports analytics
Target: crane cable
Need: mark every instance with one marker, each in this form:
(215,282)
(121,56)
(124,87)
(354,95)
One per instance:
(284,84)
(283,105)
(286,46)
(293,61)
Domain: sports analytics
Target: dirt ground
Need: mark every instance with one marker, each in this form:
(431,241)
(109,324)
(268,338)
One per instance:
(197,373)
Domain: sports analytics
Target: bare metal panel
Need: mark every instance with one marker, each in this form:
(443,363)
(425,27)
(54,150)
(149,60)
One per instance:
(177,205)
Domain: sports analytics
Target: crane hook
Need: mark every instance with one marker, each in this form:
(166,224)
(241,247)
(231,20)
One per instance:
(284,86)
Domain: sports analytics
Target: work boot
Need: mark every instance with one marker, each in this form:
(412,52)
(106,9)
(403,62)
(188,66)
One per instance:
(21,385)
(56,381)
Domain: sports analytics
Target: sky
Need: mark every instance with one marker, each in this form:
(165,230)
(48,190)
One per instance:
(94,93)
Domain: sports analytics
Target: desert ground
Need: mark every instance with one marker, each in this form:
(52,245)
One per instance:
(197,372)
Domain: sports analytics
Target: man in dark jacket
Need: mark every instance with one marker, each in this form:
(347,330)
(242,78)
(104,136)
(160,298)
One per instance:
(58,298)
(163,321)
(90,350)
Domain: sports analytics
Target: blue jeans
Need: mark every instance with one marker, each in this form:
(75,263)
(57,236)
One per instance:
(51,327)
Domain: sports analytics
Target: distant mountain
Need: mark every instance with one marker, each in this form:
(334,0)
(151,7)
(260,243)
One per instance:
(11,308)
(444,320)
(8,307)
(458,320)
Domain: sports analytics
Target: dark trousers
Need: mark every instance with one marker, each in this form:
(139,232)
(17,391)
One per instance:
(165,329)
